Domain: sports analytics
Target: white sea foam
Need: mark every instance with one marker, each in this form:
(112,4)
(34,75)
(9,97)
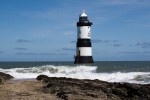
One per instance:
(79,72)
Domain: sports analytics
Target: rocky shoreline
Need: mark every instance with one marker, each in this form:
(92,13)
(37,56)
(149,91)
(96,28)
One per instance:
(75,89)
(54,88)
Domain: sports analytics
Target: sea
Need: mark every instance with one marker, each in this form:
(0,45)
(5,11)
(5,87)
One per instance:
(110,71)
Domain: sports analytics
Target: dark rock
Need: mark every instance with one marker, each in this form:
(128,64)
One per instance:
(94,89)
(1,81)
(62,95)
(5,76)
(42,77)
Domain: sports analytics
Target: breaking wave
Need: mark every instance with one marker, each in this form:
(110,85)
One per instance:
(79,72)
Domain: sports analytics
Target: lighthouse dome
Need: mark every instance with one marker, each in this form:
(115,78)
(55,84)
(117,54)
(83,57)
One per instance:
(83,14)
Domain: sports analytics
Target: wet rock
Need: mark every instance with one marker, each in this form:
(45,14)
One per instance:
(71,89)
(42,77)
(5,76)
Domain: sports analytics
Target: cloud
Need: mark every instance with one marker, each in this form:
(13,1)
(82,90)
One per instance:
(130,52)
(147,52)
(20,48)
(44,54)
(26,53)
(23,41)
(96,41)
(103,41)
(117,45)
(143,44)
(68,49)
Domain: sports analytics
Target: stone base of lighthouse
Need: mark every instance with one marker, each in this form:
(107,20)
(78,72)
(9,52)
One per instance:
(83,59)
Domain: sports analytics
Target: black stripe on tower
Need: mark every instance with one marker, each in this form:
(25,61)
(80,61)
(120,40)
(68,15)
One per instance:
(84,43)
(83,59)
(84,23)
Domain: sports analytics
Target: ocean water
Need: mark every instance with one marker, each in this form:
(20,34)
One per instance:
(111,71)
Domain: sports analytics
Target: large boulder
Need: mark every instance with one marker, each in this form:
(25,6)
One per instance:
(42,77)
(4,77)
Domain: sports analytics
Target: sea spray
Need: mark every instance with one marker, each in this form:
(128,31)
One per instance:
(79,72)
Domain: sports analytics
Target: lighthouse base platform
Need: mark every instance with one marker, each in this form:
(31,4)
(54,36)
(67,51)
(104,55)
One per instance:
(83,60)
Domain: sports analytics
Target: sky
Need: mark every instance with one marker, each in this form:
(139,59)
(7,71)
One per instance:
(45,30)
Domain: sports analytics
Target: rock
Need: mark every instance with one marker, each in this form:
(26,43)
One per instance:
(62,95)
(5,76)
(1,81)
(42,77)
(71,89)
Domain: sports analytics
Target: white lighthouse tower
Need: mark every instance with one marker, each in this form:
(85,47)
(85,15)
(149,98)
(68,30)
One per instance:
(83,46)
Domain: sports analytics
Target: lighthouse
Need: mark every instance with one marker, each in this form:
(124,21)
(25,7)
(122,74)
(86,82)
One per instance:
(83,45)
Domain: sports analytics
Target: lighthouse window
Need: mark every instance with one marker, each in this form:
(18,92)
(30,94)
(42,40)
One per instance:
(83,18)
